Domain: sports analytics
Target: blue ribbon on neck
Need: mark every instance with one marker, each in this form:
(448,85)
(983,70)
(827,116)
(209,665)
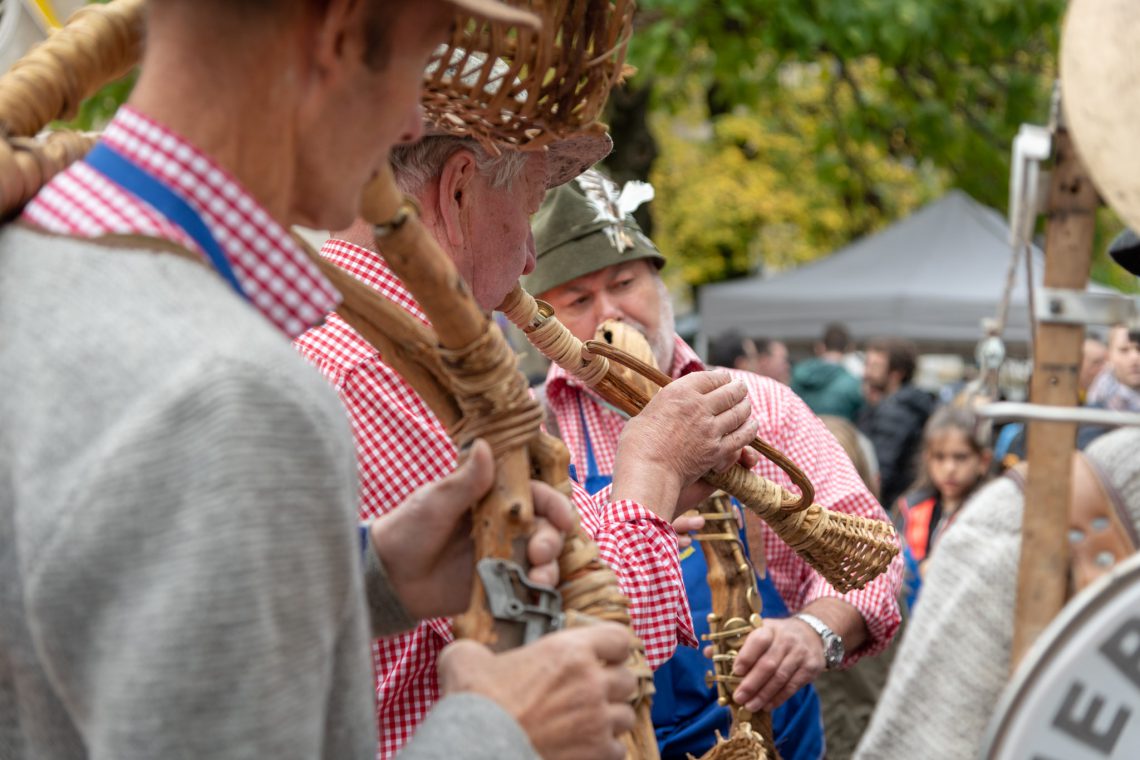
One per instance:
(148,188)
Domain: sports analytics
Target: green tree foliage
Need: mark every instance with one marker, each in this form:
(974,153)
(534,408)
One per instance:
(786,128)
(953,79)
(761,188)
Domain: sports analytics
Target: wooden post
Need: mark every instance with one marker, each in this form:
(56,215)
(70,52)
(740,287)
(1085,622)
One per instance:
(1044,563)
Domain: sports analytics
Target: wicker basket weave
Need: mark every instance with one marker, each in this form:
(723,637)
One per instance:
(526,89)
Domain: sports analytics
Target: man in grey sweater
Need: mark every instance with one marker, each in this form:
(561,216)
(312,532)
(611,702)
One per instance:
(177,489)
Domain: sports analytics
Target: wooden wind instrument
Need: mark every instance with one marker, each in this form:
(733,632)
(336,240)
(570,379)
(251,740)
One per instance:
(736,602)
(736,613)
(99,44)
(476,369)
(847,550)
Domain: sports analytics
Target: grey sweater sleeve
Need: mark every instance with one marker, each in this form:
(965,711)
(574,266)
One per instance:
(202,595)
(471,727)
(386,614)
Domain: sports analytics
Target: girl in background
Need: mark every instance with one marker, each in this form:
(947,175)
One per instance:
(955,460)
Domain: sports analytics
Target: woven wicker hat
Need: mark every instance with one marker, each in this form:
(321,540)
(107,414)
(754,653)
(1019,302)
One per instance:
(494,10)
(587,225)
(566,156)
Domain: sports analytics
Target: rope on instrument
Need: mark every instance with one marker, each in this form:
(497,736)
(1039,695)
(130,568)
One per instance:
(590,588)
(491,392)
(551,337)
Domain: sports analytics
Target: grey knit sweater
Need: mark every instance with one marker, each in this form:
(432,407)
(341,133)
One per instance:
(181,573)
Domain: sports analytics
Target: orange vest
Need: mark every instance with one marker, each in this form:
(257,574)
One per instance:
(919,522)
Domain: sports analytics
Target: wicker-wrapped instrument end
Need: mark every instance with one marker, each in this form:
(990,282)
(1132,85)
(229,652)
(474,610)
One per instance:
(742,744)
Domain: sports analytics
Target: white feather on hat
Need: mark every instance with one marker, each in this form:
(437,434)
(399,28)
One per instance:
(613,204)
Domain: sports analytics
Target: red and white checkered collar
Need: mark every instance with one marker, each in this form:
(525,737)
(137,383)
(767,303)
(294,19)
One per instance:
(370,268)
(274,271)
(685,360)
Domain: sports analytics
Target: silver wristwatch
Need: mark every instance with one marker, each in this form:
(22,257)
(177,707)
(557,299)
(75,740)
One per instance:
(832,642)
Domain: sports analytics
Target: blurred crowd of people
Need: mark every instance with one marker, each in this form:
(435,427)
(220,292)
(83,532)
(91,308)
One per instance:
(925,455)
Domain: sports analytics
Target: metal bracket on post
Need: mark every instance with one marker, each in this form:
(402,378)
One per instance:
(1064,306)
(510,595)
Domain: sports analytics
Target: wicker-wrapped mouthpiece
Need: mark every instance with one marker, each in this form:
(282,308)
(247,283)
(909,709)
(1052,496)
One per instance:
(523,88)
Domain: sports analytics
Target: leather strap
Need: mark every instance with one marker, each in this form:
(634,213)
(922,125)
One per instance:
(1101,532)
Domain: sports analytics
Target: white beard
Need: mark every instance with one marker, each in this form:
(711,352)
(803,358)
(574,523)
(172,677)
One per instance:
(663,340)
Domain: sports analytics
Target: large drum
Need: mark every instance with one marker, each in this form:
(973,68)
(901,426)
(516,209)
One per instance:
(1076,695)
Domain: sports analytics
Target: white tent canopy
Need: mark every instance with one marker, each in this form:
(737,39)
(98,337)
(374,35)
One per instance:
(931,277)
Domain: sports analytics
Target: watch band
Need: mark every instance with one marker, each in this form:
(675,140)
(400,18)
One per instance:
(833,651)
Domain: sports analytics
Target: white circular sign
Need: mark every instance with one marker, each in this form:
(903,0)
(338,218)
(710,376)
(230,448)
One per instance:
(1076,695)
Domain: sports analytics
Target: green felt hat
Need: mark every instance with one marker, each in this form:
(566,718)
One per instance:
(587,225)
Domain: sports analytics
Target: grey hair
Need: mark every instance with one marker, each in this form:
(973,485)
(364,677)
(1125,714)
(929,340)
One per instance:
(418,163)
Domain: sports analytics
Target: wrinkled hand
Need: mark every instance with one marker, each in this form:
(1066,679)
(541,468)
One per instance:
(569,691)
(776,661)
(425,543)
(694,425)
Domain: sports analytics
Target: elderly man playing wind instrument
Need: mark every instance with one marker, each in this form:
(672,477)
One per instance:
(477,206)
(594,264)
(178,540)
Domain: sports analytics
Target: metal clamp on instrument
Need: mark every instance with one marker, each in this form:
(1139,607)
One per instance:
(512,598)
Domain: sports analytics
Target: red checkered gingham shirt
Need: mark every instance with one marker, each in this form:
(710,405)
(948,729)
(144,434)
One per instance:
(785,422)
(402,446)
(276,275)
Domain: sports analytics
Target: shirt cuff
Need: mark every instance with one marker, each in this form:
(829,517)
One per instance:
(386,613)
(626,511)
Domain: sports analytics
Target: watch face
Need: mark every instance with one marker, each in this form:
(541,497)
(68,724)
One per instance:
(834,651)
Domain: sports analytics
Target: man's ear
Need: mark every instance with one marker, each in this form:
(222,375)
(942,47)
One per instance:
(338,37)
(454,194)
